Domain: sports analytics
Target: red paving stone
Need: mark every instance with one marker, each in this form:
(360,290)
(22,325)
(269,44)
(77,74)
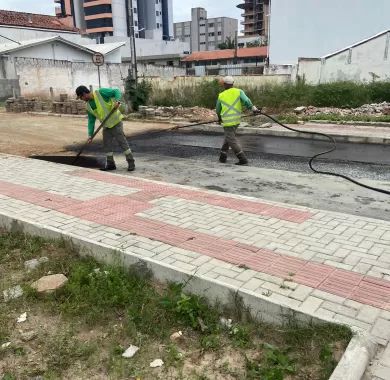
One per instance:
(120,212)
(160,190)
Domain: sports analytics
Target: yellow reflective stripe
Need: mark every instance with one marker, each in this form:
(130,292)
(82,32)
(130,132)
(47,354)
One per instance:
(231,109)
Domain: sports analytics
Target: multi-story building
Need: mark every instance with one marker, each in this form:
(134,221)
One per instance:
(99,18)
(256,17)
(205,33)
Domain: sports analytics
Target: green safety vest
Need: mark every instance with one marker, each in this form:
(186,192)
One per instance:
(103,108)
(231,107)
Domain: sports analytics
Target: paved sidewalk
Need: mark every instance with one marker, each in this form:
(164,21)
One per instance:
(322,263)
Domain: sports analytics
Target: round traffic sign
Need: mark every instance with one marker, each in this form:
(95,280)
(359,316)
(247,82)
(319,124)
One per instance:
(98,59)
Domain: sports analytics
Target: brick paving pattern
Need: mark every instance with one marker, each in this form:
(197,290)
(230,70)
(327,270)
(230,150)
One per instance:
(326,264)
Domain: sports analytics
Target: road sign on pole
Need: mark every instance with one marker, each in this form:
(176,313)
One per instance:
(98,60)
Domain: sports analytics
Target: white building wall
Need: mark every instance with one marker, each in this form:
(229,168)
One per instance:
(365,62)
(54,50)
(313,28)
(36,77)
(25,34)
(119,17)
(309,70)
(146,47)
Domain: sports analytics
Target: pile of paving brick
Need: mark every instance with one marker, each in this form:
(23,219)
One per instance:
(62,106)
(377,109)
(192,114)
(22,104)
(68,106)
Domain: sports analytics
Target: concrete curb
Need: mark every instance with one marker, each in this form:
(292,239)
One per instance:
(290,134)
(352,365)
(360,123)
(356,358)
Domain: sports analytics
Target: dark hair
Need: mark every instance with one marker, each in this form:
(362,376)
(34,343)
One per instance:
(81,90)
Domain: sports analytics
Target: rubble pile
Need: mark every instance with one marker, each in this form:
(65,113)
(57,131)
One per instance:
(22,104)
(193,114)
(375,109)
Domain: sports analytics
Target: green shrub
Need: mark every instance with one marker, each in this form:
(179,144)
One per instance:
(137,95)
(280,97)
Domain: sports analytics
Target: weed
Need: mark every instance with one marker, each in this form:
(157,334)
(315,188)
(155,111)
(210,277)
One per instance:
(274,366)
(139,94)
(278,97)
(267,293)
(210,342)
(8,376)
(327,360)
(173,356)
(191,310)
(63,350)
(240,336)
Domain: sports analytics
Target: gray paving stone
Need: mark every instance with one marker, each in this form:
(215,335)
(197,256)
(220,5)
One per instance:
(381,329)
(310,305)
(301,292)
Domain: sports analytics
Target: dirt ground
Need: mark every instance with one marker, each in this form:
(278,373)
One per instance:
(25,135)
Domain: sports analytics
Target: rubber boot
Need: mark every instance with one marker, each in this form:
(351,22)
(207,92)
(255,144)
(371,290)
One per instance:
(242,160)
(110,164)
(130,163)
(223,157)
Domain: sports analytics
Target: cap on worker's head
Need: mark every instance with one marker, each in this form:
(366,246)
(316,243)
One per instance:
(81,90)
(228,80)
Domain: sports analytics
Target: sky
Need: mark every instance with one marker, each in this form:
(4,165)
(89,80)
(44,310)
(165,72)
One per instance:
(181,8)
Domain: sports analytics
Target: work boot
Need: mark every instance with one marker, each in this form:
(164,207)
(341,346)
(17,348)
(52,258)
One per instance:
(223,157)
(110,164)
(242,160)
(130,163)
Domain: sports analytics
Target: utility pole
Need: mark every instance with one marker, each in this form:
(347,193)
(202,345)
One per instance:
(133,72)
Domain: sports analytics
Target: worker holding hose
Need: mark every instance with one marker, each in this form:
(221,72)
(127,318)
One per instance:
(99,105)
(229,109)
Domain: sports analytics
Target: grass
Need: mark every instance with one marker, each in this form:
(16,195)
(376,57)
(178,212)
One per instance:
(280,97)
(290,118)
(83,329)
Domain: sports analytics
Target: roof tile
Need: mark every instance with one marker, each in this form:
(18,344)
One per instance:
(226,54)
(32,20)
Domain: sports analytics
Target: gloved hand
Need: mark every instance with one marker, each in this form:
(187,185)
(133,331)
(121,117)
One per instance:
(255,110)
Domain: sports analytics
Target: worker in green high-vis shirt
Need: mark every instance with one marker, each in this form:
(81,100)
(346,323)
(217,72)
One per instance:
(99,104)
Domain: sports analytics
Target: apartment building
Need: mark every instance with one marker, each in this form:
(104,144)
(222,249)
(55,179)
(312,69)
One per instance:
(153,19)
(256,17)
(205,33)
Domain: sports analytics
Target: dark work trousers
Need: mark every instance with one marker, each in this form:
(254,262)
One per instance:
(231,140)
(109,134)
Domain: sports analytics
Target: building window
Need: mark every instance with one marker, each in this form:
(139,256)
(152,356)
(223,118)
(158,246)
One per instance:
(219,33)
(158,26)
(202,24)
(211,25)
(211,34)
(157,13)
(203,43)
(136,35)
(202,34)
(135,10)
(135,23)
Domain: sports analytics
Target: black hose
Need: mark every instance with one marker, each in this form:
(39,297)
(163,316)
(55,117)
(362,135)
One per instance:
(333,141)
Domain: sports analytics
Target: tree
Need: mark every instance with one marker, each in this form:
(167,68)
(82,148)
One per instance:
(229,43)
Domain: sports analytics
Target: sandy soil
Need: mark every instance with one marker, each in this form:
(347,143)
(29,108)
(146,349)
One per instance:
(24,134)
